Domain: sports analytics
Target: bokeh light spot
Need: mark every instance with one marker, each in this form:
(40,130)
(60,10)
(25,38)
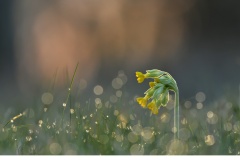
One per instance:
(200,97)
(137,129)
(47,98)
(136,149)
(133,138)
(188,104)
(227,126)
(117,83)
(184,134)
(147,133)
(119,93)
(113,99)
(98,90)
(55,148)
(199,106)
(176,147)
(165,118)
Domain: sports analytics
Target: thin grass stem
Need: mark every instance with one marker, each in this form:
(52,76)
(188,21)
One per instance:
(69,92)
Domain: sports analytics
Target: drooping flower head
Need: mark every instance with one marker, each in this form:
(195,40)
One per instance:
(158,91)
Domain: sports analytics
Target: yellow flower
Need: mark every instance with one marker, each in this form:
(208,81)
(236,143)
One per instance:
(152,106)
(142,101)
(140,77)
(151,84)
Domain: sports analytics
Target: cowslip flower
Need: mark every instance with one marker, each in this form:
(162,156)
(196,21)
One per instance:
(151,84)
(152,106)
(159,93)
(140,77)
(143,101)
(154,73)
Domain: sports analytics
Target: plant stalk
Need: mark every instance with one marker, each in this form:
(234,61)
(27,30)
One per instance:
(176,115)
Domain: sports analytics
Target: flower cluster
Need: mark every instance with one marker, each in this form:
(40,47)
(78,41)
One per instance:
(159,89)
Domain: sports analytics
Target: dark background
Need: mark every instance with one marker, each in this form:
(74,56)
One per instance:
(209,61)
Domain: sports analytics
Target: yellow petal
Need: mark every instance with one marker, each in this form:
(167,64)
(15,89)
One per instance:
(151,84)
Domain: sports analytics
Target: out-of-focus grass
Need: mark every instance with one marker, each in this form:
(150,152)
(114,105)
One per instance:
(119,126)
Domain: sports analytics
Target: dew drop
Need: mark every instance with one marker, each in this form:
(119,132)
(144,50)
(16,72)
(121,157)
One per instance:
(72,111)
(28,138)
(209,140)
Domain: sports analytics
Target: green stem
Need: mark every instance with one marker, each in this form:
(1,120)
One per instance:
(69,92)
(176,115)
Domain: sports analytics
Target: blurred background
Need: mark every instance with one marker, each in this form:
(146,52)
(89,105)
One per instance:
(196,41)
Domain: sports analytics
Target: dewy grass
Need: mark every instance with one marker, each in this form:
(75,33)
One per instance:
(106,127)
(159,93)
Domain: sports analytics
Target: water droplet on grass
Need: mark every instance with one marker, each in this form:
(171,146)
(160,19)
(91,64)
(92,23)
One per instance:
(209,140)
(14,128)
(72,111)
(30,131)
(28,138)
